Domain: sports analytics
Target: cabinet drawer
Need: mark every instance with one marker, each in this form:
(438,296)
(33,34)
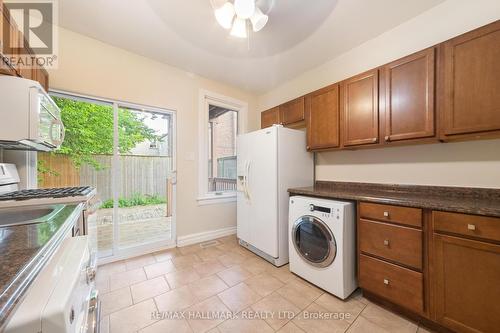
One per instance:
(397,284)
(388,213)
(467,225)
(392,242)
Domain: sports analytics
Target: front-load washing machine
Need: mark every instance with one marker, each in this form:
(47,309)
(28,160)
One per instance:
(322,243)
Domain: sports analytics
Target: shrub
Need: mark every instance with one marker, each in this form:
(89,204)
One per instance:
(135,200)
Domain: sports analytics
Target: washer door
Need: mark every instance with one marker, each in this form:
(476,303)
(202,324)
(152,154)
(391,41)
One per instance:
(314,241)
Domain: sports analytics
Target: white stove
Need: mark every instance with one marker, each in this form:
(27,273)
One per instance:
(63,298)
(12,196)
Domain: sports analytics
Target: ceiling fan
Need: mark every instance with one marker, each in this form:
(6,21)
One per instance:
(234,16)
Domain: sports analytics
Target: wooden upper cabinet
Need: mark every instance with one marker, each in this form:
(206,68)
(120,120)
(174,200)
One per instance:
(2,22)
(270,117)
(323,118)
(409,97)
(472,82)
(465,278)
(360,109)
(42,76)
(292,112)
(5,69)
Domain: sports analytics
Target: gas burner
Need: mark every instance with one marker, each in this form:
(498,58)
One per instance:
(47,193)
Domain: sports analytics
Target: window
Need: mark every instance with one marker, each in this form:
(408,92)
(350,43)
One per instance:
(221,119)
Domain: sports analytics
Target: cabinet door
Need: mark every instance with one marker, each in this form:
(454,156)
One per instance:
(323,118)
(293,111)
(360,109)
(409,82)
(472,80)
(5,68)
(16,44)
(466,275)
(270,117)
(42,76)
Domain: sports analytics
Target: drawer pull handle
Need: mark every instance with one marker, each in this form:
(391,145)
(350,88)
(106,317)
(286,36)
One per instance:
(386,242)
(471,227)
(386,214)
(386,282)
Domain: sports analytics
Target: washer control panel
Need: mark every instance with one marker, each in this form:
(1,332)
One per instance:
(325,212)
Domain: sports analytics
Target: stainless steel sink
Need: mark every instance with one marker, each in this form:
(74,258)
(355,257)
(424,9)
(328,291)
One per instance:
(28,214)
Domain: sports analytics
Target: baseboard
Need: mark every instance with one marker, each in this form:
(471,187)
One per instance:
(205,236)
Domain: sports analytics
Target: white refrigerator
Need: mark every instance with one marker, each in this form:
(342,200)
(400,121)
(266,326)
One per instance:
(270,161)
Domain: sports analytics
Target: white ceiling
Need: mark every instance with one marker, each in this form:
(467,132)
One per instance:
(300,34)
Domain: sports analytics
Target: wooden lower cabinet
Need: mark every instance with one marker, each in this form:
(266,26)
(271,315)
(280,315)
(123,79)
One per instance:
(392,282)
(445,274)
(390,254)
(394,214)
(466,279)
(398,244)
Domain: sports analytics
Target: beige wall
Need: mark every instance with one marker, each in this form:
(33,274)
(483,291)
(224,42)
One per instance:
(87,66)
(460,164)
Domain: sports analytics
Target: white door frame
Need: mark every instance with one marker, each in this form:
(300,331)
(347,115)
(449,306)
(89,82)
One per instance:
(119,254)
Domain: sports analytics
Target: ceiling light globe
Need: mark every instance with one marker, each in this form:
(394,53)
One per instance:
(259,20)
(244,8)
(225,14)
(239,28)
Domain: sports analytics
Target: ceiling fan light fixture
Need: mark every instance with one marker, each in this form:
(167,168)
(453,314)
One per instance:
(239,28)
(244,8)
(259,20)
(225,14)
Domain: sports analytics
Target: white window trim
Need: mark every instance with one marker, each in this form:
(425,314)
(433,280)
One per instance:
(205,98)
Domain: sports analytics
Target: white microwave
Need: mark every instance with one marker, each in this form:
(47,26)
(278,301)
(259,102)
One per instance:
(29,118)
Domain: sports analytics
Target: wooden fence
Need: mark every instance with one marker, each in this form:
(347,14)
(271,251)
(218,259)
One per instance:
(221,184)
(139,174)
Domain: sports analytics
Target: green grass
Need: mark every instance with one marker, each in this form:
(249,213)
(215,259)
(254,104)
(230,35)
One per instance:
(135,200)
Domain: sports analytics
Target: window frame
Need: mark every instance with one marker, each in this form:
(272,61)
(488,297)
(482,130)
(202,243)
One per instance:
(207,98)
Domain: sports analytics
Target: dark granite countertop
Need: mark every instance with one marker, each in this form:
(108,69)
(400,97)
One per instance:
(24,251)
(478,201)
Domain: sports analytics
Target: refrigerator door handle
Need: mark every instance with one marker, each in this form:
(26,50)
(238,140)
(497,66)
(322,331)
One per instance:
(247,177)
(245,180)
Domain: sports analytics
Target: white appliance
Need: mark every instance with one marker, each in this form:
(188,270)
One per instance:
(270,161)
(12,196)
(323,243)
(62,299)
(31,120)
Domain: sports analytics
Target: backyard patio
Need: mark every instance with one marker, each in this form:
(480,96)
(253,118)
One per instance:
(136,224)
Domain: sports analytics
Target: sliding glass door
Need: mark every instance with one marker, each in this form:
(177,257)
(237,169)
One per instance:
(145,177)
(127,152)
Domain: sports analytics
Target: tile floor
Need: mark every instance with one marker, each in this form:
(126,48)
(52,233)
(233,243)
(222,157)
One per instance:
(225,288)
